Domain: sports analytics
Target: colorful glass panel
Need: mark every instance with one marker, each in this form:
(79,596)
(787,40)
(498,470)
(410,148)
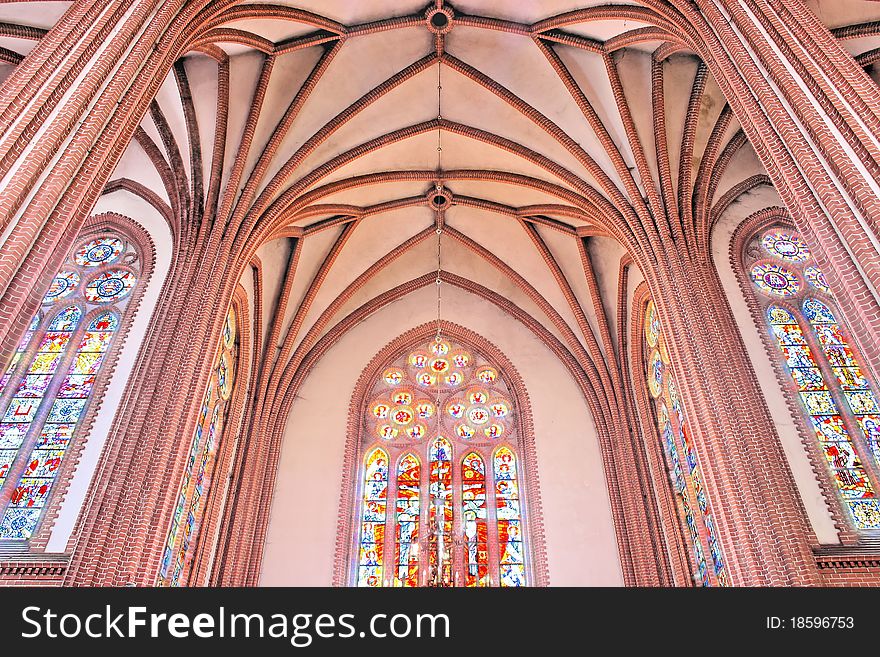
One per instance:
(101,251)
(109,286)
(775,279)
(816,278)
(53,389)
(846,468)
(508,512)
(440,514)
(475,519)
(198,474)
(19,352)
(424,407)
(787,245)
(407,516)
(682,460)
(373,516)
(68,408)
(63,285)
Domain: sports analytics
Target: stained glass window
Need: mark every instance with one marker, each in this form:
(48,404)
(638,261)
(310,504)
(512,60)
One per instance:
(406,553)
(48,386)
(183,535)
(682,462)
(372,525)
(461,520)
(838,400)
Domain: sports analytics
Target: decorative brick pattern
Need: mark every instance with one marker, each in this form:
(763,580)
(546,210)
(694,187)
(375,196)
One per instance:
(797,95)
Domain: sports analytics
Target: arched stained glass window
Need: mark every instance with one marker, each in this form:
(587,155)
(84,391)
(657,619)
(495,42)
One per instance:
(406,553)
(682,462)
(373,513)
(463,519)
(183,535)
(47,389)
(838,401)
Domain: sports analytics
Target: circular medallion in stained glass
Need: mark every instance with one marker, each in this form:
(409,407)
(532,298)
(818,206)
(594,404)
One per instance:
(464,431)
(493,431)
(439,365)
(478,415)
(652,324)
(786,245)
(456,409)
(775,279)
(461,359)
(393,376)
(417,431)
(110,286)
(500,408)
(454,379)
(418,359)
(478,396)
(387,432)
(402,397)
(655,373)
(426,379)
(100,251)
(425,409)
(224,376)
(440,348)
(62,285)
(402,415)
(381,410)
(487,375)
(229,329)
(816,278)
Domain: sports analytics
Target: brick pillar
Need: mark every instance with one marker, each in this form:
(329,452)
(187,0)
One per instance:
(67,113)
(763,530)
(813,117)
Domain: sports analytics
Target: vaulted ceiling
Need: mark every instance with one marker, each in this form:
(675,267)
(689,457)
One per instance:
(555,118)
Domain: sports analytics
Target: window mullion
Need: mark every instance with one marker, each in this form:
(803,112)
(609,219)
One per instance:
(19,465)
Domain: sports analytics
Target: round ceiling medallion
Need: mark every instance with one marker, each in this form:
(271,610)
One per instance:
(439,20)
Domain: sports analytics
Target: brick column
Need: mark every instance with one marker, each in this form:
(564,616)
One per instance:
(67,114)
(813,117)
(763,530)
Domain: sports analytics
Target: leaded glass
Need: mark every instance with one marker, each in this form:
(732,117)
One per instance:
(199,471)
(775,279)
(54,387)
(66,411)
(834,391)
(100,251)
(682,460)
(406,554)
(19,352)
(372,539)
(816,278)
(786,245)
(63,285)
(446,407)
(109,286)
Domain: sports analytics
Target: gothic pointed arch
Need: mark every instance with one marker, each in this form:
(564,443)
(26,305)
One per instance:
(829,388)
(689,530)
(53,386)
(440,483)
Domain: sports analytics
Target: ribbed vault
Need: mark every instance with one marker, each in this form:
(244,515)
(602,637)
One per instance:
(304,134)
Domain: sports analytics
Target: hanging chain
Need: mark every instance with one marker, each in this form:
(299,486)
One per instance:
(439,186)
(439,279)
